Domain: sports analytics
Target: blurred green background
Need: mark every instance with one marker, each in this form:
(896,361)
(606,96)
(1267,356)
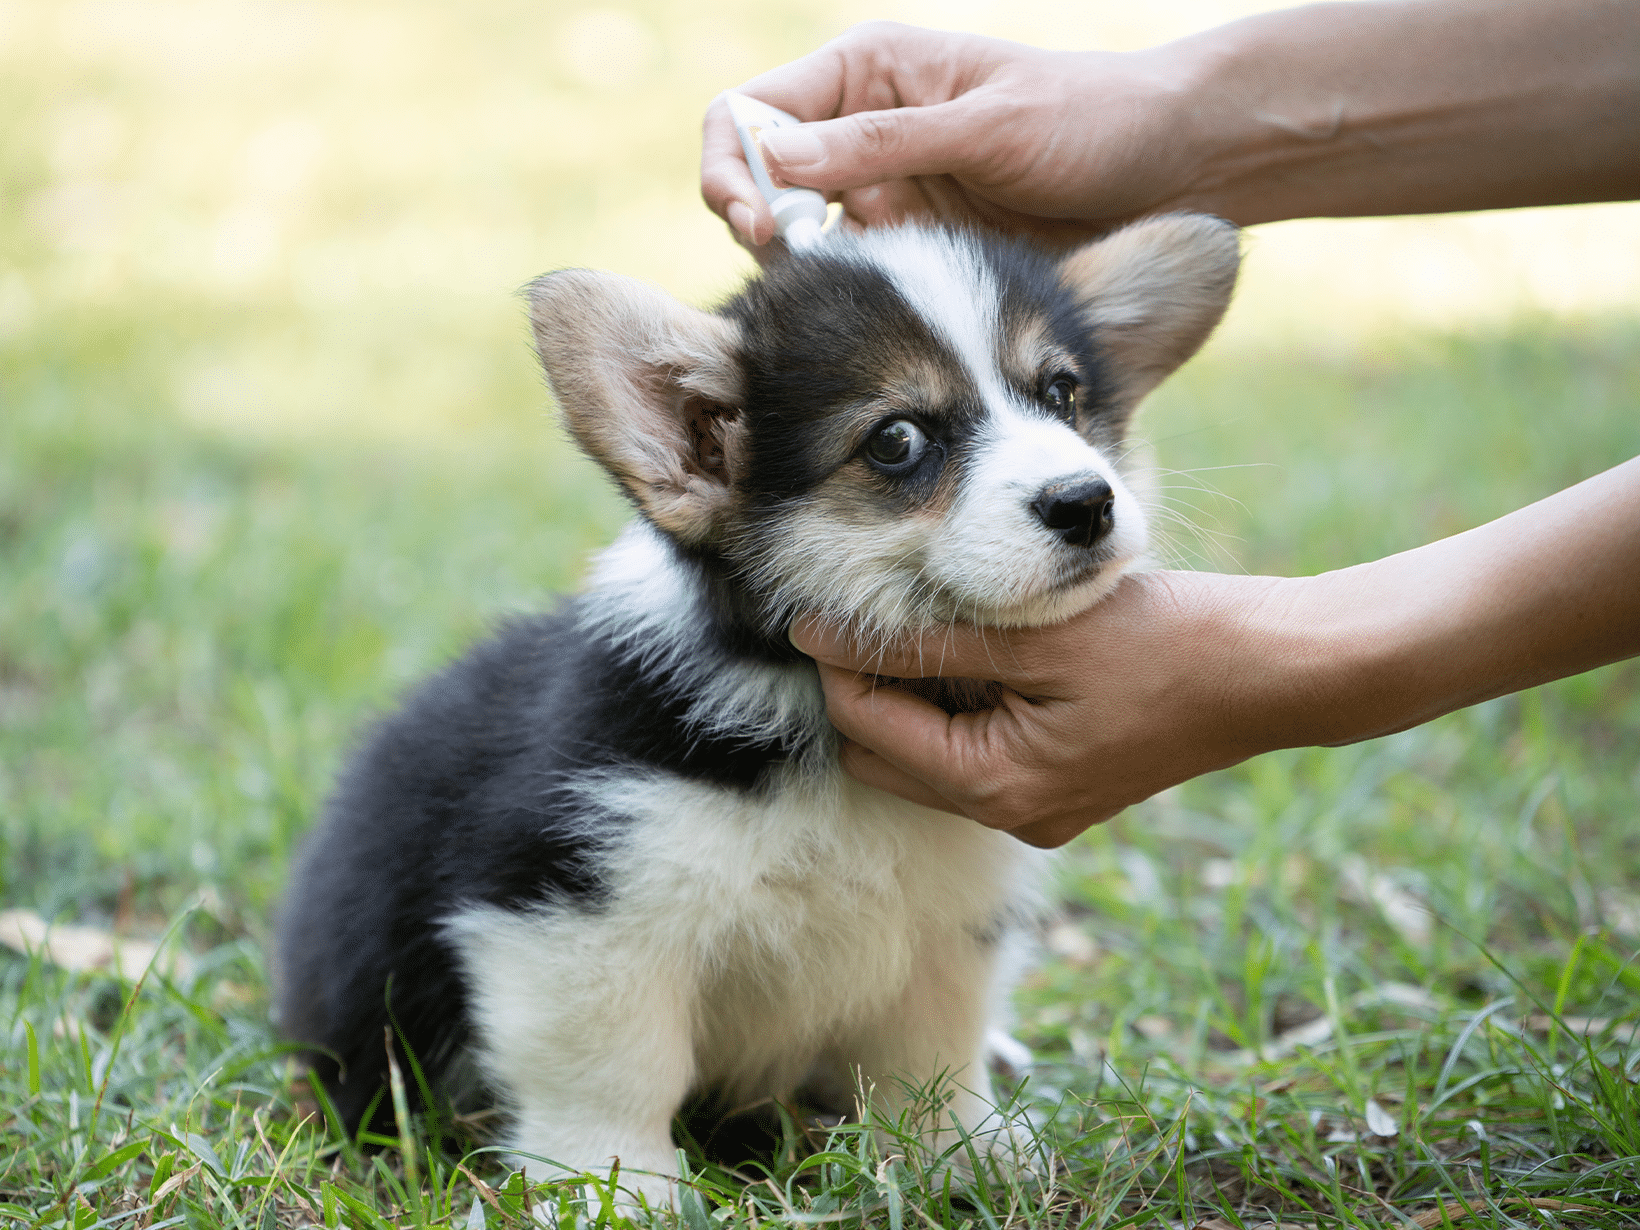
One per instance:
(272,443)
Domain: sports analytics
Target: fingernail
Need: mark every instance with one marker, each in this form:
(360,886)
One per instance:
(808,622)
(791,635)
(792,148)
(742,218)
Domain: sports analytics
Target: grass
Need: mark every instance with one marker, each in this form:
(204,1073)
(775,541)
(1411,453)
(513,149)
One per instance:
(272,447)
(1338,987)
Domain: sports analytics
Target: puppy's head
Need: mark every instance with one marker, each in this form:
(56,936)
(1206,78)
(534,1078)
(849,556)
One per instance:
(906,427)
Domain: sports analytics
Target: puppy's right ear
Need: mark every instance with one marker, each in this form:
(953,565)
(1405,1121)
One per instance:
(651,390)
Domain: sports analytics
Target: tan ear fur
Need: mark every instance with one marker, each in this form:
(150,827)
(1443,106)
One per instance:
(1153,292)
(648,387)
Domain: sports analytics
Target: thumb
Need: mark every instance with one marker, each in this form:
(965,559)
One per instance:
(869,147)
(905,744)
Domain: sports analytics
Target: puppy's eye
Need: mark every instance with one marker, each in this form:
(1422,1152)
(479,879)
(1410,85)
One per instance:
(1061,398)
(898,445)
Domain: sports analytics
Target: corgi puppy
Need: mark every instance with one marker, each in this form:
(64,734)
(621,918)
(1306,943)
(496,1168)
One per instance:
(607,861)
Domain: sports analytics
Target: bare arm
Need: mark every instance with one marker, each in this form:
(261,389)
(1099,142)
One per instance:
(1180,673)
(1388,106)
(1418,106)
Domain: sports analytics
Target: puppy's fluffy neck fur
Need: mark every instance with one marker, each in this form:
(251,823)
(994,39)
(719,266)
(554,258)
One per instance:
(689,626)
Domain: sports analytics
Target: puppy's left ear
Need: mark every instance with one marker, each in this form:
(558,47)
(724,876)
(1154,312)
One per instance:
(649,388)
(1151,293)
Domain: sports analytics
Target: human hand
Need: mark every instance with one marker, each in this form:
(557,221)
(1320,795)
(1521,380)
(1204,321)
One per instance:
(1323,110)
(961,128)
(1174,674)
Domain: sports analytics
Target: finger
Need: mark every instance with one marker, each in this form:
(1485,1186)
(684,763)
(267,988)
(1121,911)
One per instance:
(906,730)
(957,650)
(873,65)
(726,183)
(911,748)
(810,88)
(949,755)
(883,204)
(870,147)
(867,766)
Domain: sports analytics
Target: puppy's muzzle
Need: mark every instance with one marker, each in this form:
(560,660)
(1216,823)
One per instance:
(1080,510)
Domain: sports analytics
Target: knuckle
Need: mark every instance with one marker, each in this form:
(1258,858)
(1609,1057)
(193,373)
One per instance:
(877,134)
(715,193)
(998,793)
(980,786)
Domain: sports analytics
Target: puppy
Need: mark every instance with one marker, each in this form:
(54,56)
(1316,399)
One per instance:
(608,860)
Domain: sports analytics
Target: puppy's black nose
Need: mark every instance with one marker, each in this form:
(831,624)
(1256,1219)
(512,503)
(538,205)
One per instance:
(1080,510)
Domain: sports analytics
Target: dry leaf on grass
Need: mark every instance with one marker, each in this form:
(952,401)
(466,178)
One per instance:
(1455,1212)
(88,948)
(1426,1220)
(1379,1121)
(175,1181)
(1155,1028)
(1400,909)
(1313,1033)
(1066,939)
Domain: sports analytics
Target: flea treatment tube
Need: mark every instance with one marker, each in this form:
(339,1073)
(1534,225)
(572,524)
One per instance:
(799,213)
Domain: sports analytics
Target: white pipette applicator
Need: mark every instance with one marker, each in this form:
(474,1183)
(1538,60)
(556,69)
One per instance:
(799,213)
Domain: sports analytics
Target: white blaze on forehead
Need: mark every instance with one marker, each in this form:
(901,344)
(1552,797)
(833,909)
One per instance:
(949,286)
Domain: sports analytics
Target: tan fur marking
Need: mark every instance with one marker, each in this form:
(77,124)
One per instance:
(920,389)
(922,385)
(1030,356)
(855,494)
(1030,352)
(1153,292)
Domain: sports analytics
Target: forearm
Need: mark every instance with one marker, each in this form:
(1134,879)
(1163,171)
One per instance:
(1545,592)
(1391,107)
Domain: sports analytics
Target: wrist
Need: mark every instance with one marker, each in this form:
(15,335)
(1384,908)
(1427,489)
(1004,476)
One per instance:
(1217,114)
(1539,594)
(1318,661)
(1281,666)
(1292,119)
(1241,667)
(1366,651)
(1182,119)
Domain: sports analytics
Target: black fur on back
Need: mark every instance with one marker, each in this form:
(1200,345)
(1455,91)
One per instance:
(460,799)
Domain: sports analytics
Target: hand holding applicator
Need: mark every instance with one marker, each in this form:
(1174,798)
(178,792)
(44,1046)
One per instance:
(799,213)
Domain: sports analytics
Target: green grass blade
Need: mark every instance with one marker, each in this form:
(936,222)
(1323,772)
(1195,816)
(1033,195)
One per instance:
(33,1044)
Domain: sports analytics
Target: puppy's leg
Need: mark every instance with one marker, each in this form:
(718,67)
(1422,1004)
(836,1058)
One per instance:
(932,1037)
(585,1029)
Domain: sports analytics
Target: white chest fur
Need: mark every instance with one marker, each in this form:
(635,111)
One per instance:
(750,941)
